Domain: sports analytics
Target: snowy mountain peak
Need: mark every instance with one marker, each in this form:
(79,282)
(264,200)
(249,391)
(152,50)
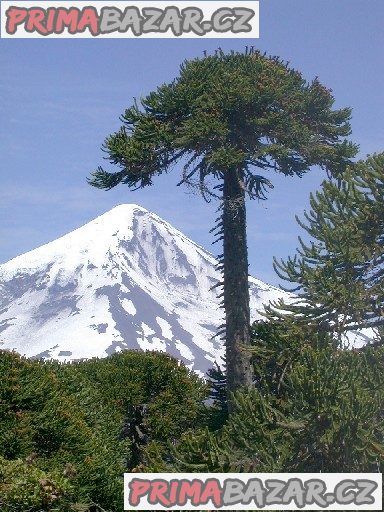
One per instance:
(127,279)
(84,238)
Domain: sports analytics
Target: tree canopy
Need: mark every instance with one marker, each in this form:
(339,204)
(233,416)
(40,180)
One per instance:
(314,408)
(339,273)
(225,111)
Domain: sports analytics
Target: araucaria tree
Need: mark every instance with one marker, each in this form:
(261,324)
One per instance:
(340,272)
(229,120)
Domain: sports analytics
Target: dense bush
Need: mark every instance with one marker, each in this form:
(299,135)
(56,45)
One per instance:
(313,408)
(24,487)
(69,431)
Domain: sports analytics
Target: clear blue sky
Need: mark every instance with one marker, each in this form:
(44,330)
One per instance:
(59,99)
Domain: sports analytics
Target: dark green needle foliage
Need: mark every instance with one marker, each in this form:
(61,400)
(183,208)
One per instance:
(226,111)
(339,274)
(69,431)
(230,121)
(314,408)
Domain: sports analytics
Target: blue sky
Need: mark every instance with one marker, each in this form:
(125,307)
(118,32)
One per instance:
(59,99)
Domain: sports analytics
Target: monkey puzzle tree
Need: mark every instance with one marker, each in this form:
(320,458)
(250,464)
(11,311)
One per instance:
(222,118)
(340,272)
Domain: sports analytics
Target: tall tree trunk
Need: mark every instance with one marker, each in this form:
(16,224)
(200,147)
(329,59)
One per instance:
(236,288)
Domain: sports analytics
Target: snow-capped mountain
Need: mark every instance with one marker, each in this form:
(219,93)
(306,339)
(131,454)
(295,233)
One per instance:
(127,279)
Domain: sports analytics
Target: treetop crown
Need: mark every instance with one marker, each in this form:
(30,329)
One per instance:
(230,110)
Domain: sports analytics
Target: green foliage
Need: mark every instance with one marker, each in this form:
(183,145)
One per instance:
(314,408)
(69,431)
(276,345)
(24,487)
(339,399)
(228,111)
(340,273)
(172,393)
(68,428)
(217,413)
(54,428)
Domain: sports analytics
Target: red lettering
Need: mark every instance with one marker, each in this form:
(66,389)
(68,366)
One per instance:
(138,489)
(15,16)
(51,13)
(189,490)
(67,18)
(36,16)
(89,18)
(212,491)
(173,492)
(158,491)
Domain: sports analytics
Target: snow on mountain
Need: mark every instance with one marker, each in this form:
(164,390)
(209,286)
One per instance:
(127,279)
